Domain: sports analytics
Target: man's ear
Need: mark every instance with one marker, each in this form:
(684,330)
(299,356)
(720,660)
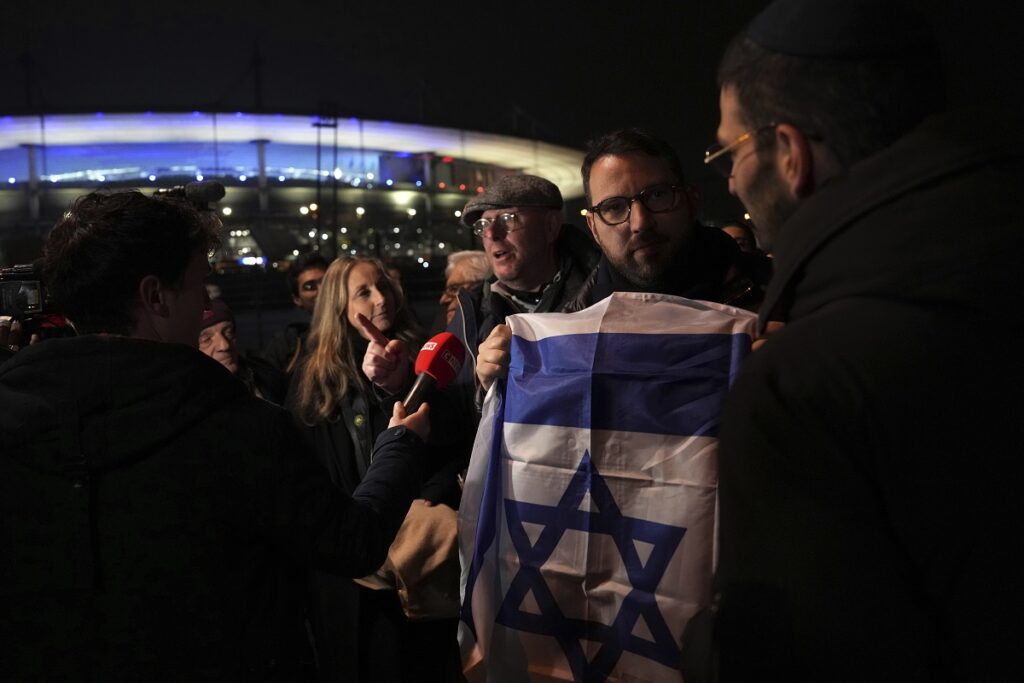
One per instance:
(795,160)
(297,300)
(152,297)
(554,226)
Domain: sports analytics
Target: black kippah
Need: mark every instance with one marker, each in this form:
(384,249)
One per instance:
(840,29)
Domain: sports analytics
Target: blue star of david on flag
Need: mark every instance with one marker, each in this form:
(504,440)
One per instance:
(593,460)
(643,577)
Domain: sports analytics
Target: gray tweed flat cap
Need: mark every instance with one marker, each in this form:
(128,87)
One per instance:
(513,190)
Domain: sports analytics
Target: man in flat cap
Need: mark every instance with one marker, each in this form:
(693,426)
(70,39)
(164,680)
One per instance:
(869,455)
(539,264)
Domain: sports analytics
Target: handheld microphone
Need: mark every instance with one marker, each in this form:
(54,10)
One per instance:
(436,366)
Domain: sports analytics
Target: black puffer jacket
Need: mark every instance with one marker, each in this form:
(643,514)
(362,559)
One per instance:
(153,511)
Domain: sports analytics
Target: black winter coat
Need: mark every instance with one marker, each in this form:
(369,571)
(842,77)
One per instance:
(361,634)
(871,451)
(152,512)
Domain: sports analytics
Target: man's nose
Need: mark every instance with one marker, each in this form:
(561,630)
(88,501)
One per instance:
(640,217)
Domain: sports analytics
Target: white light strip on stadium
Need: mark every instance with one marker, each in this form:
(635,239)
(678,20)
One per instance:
(561,165)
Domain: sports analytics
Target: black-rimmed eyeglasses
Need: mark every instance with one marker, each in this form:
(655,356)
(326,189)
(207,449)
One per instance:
(720,157)
(656,199)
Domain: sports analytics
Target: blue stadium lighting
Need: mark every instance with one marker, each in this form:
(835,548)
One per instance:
(12,180)
(152,178)
(131,147)
(199,177)
(243,178)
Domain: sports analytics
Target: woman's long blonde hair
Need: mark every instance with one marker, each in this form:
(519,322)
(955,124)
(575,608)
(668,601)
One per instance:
(331,369)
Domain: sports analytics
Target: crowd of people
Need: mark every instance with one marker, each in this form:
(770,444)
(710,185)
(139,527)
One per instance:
(169,516)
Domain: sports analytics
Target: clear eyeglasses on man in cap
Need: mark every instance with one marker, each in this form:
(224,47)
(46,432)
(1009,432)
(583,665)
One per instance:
(497,227)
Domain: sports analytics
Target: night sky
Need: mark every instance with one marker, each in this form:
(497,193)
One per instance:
(556,71)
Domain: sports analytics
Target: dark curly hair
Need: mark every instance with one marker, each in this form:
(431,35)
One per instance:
(106,243)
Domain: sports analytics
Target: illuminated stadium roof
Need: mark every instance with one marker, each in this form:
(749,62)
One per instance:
(91,148)
(345,185)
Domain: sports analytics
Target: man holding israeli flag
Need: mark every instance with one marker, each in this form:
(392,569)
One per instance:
(587,527)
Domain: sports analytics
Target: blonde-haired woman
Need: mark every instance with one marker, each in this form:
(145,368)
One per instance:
(360,633)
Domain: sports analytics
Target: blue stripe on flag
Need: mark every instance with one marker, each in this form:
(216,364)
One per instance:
(654,383)
(487,522)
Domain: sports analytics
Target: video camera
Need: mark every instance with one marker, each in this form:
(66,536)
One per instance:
(24,297)
(21,291)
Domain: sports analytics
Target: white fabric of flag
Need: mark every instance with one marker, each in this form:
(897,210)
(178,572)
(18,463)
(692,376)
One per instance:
(588,520)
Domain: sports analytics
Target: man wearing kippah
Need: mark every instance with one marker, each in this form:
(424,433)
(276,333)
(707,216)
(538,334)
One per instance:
(870,450)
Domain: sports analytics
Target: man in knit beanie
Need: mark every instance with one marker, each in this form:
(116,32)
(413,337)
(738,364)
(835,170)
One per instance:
(218,340)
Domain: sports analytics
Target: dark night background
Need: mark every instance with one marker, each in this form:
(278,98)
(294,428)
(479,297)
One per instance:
(555,71)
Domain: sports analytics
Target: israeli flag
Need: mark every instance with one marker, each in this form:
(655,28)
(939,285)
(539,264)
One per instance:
(588,521)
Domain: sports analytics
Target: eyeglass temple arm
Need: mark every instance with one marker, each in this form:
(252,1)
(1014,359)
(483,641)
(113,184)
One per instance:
(709,157)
